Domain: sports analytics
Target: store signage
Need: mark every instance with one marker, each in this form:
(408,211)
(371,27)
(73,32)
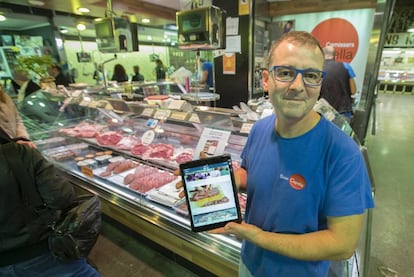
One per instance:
(345,41)
(399,40)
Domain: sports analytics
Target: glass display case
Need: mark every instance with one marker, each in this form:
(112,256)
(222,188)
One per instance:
(128,158)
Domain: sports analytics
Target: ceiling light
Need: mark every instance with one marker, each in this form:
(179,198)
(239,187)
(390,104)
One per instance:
(36,3)
(81,27)
(2,17)
(63,30)
(145,20)
(83,10)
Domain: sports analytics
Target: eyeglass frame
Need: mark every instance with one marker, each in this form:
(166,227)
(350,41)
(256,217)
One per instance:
(301,71)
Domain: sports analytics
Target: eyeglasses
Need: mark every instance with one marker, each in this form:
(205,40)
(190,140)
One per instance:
(287,74)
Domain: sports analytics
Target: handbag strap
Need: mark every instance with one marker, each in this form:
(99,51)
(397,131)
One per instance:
(28,190)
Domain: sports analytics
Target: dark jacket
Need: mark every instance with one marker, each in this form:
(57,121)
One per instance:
(23,233)
(31,87)
(61,79)
(335,86)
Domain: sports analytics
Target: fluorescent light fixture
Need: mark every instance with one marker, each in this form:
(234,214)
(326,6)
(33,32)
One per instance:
(81,27)
(2,17)
(410,30)
(83,10)
(36,3)
(145,20)
(63,30)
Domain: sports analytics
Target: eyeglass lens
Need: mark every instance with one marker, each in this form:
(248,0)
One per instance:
(288,74)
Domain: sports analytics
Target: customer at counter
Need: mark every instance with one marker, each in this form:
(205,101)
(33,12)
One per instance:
(137,77)
(60,79)
(11,122)
(119,74)
(23,85)
(306,180)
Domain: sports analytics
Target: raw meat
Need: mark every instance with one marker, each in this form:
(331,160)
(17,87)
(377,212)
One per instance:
(109,138)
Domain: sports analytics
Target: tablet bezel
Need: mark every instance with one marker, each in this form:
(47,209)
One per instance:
(205,162)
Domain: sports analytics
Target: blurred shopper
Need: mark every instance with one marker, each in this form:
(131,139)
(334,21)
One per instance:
(137,77)
(160,74)
(119,74)
(10,121)
(338,86)
(60,78)
(23,84)
(24,249)
(206,73)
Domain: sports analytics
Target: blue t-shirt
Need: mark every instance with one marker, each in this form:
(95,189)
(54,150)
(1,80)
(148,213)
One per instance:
(294,184)
(208,66)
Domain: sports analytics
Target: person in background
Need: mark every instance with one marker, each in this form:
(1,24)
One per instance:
(137,77)
(98,74)
(338,86)
(60,79)
(206,73)
(160,70)
(119,74)
(306,180)
(160,74)
(23,85)
(10,121)
(24,249)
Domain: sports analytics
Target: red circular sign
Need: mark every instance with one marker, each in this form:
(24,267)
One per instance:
(341,34)
(297,182)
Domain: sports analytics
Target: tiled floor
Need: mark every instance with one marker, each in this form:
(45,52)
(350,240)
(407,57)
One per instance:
(391,152)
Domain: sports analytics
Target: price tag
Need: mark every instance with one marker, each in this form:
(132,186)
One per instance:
(176,105)
(162,114)
(194,118)
(152,123)
(178,115)
(87,171)
(246,127)
(148,137)
(147,112)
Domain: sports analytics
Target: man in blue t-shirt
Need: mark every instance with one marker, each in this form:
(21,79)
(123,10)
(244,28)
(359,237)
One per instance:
(306,180)
(206,73)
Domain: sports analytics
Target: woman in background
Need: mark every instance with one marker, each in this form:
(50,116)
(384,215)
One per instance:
(120,74)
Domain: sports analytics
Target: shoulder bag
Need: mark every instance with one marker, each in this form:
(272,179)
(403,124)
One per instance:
(77,229)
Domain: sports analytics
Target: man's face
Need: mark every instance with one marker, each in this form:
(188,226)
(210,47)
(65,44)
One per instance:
(294,100)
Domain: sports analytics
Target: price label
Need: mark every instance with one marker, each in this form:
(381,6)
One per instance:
(148,137)
(176,104)
(178,115)
(147,112)
(162,114)
(194,118)
(246,127)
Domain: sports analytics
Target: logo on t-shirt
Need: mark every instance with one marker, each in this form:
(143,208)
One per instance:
(297,182)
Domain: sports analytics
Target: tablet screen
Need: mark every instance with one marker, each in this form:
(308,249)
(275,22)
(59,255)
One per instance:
(211,193)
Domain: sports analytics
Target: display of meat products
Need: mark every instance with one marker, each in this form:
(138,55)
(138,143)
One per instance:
(118,167)
(139,149)
(183,157)
(161,151)
(146,183)
(140,171)
(110,138)
(126,143)
(83,130)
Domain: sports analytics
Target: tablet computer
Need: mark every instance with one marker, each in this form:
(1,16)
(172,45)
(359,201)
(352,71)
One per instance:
(210,192)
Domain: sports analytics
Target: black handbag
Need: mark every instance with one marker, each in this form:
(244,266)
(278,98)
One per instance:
(77,228)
